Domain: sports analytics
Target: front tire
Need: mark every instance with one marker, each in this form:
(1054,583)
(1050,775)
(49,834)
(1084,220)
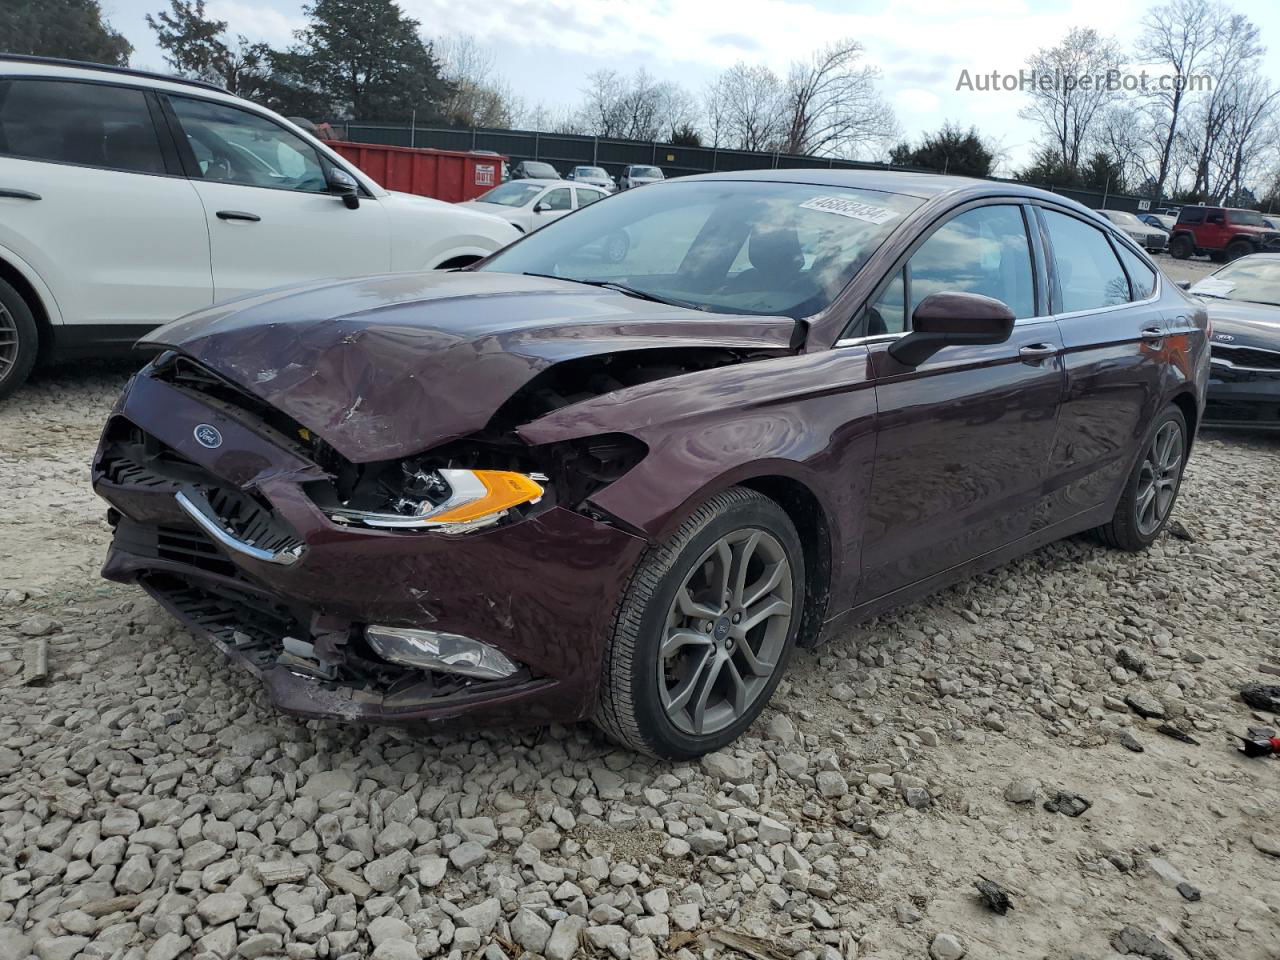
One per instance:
(1238,249)
(1152,487)
(19,340)
(705,630)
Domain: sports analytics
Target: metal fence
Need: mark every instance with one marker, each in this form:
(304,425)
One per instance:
(565,150)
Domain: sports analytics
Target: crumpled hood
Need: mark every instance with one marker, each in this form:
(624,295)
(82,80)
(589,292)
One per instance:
(385,367)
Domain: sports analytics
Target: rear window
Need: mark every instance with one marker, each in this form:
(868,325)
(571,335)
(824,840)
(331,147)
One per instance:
(90,124)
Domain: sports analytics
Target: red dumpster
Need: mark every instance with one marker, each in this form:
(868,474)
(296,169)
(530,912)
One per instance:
(444,174)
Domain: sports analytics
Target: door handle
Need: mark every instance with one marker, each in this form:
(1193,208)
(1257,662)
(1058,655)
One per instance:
(1153,333)
(14,194)
(1035,352)
(238,215)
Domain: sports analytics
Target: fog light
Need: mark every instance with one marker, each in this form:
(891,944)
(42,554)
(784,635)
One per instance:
(445,652)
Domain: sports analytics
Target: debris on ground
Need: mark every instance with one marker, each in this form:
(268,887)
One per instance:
(1131,940)
(1169,730)
(1068,804)
(1130,742)
(994,896)
(1261,696)
(35,661)
(1188,891)
(1259,742)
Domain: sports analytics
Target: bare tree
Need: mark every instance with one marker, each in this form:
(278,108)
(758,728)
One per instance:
(747,106)
(1249,133)
(1126,134)
(1180,36)
(1234,58)
(1067,104)
(638,107)
(481,96)
(832,104)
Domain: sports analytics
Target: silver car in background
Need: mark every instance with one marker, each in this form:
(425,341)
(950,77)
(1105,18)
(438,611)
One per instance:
(637,175)
(1152,238)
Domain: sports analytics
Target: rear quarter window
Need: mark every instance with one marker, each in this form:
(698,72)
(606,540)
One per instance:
(89,124)
(1142,279)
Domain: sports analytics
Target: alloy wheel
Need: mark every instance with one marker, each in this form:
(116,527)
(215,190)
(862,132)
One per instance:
(1158,478)
(726,631)
(8,342)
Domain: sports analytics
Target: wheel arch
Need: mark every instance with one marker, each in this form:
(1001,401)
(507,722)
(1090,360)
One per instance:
(1185,401)
(806,512)
(20,276)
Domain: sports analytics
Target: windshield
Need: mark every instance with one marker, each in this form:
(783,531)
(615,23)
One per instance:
(1247,218)
(514,194)
(727,246)
(653,172)
(1254,280)
(590,172)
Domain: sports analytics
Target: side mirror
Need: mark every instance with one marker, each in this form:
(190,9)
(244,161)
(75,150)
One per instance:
(540,207)
(952,319)
(343,185)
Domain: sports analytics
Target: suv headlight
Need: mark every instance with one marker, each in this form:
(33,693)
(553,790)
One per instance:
(448,500)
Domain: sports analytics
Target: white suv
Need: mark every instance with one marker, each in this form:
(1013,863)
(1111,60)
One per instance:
(128,199)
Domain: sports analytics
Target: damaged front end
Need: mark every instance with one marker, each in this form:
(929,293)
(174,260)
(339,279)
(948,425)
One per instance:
(473,582)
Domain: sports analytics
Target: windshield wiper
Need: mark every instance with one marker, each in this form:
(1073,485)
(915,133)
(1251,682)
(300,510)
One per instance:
(623,288)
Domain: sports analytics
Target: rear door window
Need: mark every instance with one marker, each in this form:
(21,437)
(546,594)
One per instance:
(1089,276)
(90,124)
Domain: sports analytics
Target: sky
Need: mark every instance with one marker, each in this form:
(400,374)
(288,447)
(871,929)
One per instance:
(546,48)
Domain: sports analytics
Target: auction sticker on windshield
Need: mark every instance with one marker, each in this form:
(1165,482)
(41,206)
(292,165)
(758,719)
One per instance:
(843,206)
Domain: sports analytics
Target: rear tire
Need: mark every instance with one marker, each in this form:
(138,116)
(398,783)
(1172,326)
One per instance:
(1238,249)
(705,629)
(19,340)
(1151,491)
(1181,247)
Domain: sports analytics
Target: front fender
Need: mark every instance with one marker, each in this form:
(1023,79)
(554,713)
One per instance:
(809,418)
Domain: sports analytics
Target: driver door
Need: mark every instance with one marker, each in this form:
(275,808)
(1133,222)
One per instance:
(271,218)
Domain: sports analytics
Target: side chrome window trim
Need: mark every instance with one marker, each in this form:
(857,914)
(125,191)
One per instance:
(874,338)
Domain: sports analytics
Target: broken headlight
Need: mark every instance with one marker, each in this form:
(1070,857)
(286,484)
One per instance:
(445,499)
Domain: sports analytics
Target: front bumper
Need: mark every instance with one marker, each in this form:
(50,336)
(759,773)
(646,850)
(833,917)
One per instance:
(1242,399)
(542,590)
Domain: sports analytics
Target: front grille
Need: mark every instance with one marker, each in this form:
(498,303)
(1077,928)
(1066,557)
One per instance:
(1250,358)
(134,459)
(175,544)
(254,626)
(252,521)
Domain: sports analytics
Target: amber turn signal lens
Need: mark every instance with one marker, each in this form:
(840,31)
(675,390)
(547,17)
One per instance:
(503,490)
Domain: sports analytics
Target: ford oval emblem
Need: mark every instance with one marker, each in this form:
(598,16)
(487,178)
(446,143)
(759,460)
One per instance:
(208,435)
(1224,337)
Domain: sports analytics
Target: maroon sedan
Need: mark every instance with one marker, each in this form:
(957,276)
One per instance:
(621,469)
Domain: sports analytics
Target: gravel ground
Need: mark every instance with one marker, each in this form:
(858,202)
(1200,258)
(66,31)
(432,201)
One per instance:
(152,806)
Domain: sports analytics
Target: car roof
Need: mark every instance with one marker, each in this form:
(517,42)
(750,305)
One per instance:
(84,70)
(923,186)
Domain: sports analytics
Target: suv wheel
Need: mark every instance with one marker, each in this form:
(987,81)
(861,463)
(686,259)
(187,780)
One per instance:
(705,630)
(1239,248)
(1152,487)
(19,340)
(1181,247)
